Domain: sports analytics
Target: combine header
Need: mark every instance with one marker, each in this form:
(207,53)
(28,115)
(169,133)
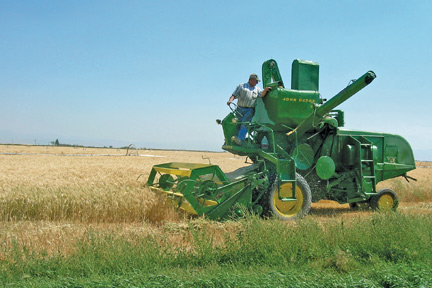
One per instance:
(300,154)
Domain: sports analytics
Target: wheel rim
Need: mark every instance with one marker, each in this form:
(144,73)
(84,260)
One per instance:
(386,202)
(289,208)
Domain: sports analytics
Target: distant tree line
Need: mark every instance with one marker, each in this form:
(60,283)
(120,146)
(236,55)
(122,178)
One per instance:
(57,143)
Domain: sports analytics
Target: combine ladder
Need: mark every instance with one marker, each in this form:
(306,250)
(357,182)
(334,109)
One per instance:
(367,166)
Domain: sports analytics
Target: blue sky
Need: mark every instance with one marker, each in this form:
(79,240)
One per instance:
(158,73)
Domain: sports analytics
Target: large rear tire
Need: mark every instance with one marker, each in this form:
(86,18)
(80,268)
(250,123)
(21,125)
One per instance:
(290,210)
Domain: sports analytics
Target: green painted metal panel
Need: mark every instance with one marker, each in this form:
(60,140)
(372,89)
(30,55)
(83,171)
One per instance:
(305,75)
(393,155)
(288,108)
(314,118)
(271,74)
(303,156)
(325,167)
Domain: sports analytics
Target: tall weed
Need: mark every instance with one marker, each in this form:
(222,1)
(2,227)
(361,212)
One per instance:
(337,247)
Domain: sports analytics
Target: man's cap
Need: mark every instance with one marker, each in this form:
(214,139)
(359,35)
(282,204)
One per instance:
(254,76)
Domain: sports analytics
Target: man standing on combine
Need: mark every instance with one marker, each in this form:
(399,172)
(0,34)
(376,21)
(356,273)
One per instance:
(246,95)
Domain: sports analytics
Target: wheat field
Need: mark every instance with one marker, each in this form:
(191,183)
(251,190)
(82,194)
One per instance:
(51,196)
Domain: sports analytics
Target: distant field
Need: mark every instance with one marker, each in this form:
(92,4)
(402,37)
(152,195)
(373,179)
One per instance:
(59,205)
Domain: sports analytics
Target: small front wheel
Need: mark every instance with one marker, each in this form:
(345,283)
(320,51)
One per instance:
(385,200)
(289,210)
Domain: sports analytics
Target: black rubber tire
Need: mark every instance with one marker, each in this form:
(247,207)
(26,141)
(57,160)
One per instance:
(385,200)
(290,210)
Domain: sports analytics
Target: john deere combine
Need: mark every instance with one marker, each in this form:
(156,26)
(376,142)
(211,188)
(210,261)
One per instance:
(299,152)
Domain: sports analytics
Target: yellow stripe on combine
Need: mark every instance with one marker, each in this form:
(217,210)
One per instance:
(174,171)
(166,192)
(179,168)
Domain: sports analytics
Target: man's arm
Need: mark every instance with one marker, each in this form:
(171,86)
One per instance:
(231,99)
(266,90)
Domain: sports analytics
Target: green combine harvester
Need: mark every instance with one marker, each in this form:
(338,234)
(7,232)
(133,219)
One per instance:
(299,153)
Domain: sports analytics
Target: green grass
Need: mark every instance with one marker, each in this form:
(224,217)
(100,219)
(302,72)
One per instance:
(384,250)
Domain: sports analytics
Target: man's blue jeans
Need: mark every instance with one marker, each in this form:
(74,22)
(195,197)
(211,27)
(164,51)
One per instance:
(248,114)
